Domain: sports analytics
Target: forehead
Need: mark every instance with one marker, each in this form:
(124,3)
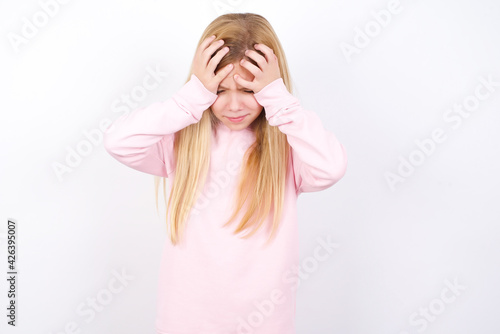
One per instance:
(237,69)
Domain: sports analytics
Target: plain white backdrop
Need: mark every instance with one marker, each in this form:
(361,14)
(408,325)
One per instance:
(403,85)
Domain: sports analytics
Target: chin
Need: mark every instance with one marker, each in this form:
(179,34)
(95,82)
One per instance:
(237,125)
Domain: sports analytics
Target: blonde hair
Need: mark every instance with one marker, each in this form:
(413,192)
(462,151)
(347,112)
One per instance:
(265,163)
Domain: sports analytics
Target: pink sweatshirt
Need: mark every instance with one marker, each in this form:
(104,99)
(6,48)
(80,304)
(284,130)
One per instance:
(213,282)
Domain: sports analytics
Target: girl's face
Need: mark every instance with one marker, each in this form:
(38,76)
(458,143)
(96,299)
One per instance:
(234,101)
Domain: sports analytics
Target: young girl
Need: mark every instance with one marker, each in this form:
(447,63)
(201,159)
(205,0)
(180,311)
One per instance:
(238,149)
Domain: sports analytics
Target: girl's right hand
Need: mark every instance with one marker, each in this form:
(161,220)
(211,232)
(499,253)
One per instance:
(204,66)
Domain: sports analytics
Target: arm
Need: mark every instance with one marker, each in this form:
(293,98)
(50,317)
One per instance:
(319,159)
(143,139)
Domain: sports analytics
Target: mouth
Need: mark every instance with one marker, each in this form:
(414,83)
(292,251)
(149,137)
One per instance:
(237,119)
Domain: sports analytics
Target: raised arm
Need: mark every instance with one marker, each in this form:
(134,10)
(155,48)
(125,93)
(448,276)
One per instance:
(143,139)
(319,159)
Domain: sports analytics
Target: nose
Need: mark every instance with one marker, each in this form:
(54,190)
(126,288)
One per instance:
(235,101)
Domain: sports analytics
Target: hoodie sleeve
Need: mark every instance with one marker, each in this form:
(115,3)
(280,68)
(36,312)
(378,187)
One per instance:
(143,139)
(319,159)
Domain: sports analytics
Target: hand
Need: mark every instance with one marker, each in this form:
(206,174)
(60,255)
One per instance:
(267,72)
(204,67)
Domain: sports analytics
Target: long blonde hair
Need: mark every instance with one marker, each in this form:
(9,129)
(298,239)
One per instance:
(265,163)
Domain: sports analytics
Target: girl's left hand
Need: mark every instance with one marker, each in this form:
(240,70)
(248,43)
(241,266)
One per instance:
(267,72)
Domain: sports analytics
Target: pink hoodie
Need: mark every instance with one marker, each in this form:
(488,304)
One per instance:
(213,281)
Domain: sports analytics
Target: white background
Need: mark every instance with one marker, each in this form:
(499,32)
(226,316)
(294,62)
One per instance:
(397,246)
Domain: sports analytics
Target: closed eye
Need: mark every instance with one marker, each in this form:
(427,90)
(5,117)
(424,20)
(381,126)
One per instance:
(246,91)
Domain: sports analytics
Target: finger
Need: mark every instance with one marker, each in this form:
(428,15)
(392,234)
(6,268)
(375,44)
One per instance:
(259,59)
(250,67)
(242,82)
(212,64)
(223,72)
(206,42)
(267,51)
(210,50)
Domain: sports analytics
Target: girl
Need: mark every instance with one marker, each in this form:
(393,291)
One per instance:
(237,148)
